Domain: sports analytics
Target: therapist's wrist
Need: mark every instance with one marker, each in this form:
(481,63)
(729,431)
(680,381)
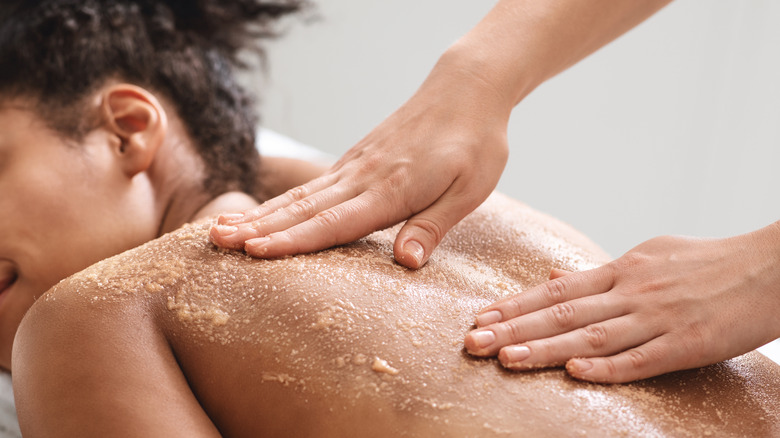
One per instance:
(466,83)
(511,81)
(764,246)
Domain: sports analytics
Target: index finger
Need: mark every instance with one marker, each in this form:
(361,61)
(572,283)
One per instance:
(284,200)
(549,293)
(343,223)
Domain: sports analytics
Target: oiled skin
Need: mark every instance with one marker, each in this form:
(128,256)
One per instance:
(286,347)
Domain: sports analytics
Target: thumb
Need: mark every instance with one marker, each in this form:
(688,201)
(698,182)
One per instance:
(417,240)
(423,232)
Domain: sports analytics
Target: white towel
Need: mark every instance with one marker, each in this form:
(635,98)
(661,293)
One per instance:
(9,426)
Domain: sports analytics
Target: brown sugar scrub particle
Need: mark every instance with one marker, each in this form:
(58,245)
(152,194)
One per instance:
(359,359)
(381,366)
(189,312)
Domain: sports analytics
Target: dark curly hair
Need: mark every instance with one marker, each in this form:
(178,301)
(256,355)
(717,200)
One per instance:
(56,52)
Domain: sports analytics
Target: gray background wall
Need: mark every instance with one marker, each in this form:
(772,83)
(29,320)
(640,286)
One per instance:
(672,129)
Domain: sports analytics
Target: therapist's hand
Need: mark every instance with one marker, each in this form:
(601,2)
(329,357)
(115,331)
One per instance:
(431,163)
(669,304)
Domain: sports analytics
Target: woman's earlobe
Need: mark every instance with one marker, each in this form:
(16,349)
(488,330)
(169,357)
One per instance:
(138,121)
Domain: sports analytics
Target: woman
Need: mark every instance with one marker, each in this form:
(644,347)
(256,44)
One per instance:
(177,338)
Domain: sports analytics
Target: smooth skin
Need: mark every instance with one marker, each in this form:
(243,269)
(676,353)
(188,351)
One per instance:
(670,303)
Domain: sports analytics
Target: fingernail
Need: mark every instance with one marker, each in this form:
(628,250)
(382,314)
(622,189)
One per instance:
(516,353)
(488,318)
(256,245)
(484,338)
(579,365)
(230,218)
(225,230)
(414,249)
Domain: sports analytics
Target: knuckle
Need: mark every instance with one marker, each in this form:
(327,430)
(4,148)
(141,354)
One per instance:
(555,291)
(626,262)
(400,175)
(255,228)
(665,241)
(302,209)
(562,315)
(637,358)
(327,219)
(515,332)
(513,307)
(611,368)
(595,336)
(297,193)
(659,287)
(369,163)
(432,229)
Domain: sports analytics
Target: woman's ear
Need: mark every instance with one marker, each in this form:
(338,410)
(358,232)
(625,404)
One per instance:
(139,123)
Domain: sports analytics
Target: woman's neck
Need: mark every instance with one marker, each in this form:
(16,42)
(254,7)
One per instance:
(178,172)
(185,209)
(230,202)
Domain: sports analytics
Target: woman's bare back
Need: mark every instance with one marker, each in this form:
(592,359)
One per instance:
(347,343)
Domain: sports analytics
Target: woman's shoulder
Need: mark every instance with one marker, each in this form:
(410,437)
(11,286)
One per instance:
(95,342)
(136,275)
(131,286)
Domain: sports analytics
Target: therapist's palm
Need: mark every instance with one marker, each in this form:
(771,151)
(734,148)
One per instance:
(431,163)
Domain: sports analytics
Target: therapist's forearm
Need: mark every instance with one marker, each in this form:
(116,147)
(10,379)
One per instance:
(522,43)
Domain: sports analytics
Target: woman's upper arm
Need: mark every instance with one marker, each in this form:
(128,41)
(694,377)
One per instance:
(86,367)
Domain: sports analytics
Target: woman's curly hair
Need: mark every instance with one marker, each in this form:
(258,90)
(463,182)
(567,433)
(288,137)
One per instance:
(56,52)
